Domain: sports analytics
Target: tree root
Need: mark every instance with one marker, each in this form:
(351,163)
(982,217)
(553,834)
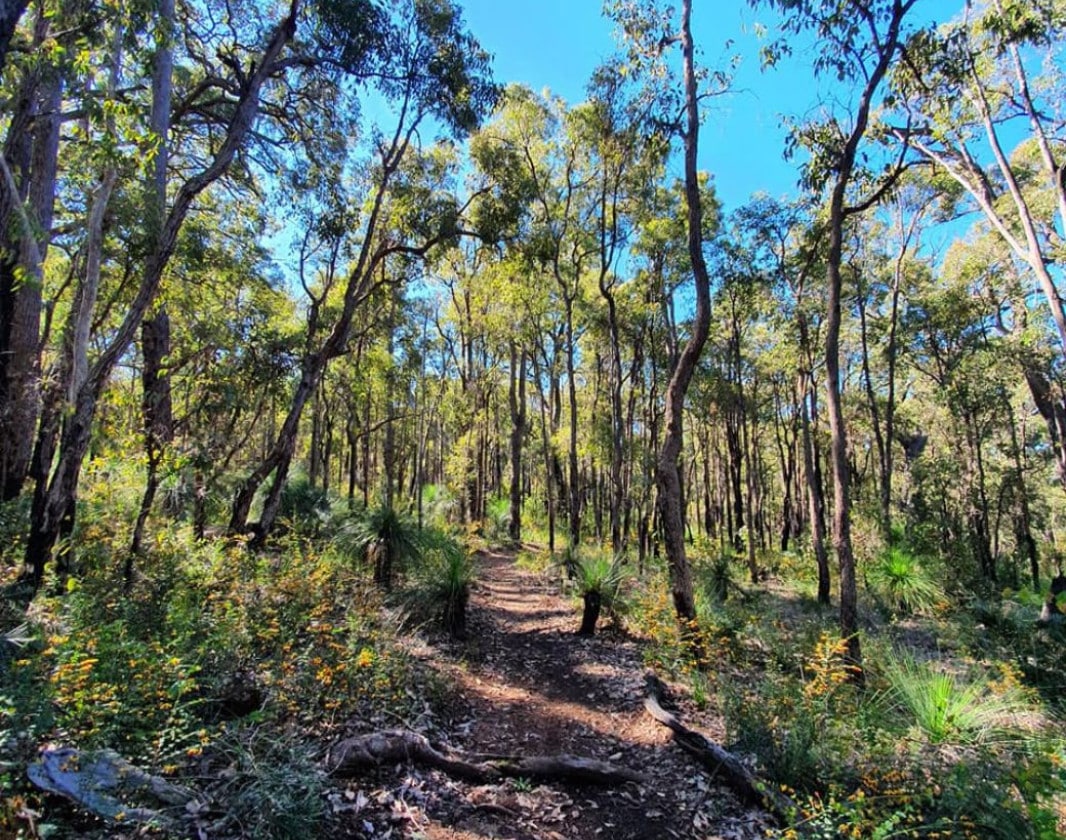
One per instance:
(363,753)
(715,758)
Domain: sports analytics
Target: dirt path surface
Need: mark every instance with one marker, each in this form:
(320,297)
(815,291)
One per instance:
(527,685)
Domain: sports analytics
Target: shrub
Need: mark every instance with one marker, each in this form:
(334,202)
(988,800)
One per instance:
(273,787)
(441,581)
(902,580)
(945,707)
(383,537)
(304,507)
(715,578)
(599,580)
(498,520)
(439,505)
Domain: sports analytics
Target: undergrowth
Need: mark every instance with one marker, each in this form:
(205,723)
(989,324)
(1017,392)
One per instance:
(218,664)
(947,747)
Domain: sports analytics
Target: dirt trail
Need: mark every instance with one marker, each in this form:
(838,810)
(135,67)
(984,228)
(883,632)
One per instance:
(528,685)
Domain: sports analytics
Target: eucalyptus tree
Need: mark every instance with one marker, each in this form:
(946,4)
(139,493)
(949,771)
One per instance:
(538,149)
(858,42)
(27,204)
(785,243)
(649,29)
(968,90)
(661,258)
(727,381)
(622,165)
(428,67)
(157,402)
(889,256)
(954,342)
(83,379)
(235,341)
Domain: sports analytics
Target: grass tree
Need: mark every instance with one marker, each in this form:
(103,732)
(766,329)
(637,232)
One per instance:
(384,539)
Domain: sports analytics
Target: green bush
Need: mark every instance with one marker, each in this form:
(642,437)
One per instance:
(439,505)
(273,788)
(498,520)
(441,580)
(304,508)
(599,580)
(946,707)
(384,538)
(904,582)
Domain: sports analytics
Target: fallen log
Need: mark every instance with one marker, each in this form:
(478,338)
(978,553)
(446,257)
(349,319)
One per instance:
(714,757)
(107,785)
(354,756)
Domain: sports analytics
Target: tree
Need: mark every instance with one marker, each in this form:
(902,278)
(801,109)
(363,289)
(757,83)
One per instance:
(10,12)
(859,41)
(647,40)
(27,201)
(53,510)
(437,70)
(965,91)
(156,403)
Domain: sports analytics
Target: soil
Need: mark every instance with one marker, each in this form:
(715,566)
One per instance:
(527,684)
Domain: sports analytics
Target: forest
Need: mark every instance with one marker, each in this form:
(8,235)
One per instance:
(389,449)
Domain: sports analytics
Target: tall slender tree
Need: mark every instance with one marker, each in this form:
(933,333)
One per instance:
(859,41)
(649,31)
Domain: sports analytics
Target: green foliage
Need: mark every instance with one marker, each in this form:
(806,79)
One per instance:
(14,520)
(382,537)
(598,572)
(440,581)
(304,507)
(904,582)
(208,639)
(439,505)
(946,707)
(715,578)
(498,520)
(274,785)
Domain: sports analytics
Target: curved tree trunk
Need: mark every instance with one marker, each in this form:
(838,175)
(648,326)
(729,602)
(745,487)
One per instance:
(667,473)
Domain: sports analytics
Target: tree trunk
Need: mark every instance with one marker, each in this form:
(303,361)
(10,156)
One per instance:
(575,475)
(155,331)
(593,602)
(27,201)
(10,12)
(518,433)
(881,436)
(668,476)
(815,496)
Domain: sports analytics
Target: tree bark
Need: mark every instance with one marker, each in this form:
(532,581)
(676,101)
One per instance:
(883,52)
(668,475)
(518,432)
(10,12)
(815,495)
(156,401)
(27,201)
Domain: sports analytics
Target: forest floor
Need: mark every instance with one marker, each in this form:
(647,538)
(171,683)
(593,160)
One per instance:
(525,684)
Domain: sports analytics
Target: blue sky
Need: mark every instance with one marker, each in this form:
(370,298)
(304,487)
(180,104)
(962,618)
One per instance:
(556,44)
